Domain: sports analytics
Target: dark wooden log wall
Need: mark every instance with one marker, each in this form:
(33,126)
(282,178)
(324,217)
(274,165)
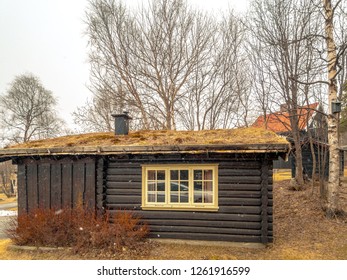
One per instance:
(56,183)
(245,198)
(114,183)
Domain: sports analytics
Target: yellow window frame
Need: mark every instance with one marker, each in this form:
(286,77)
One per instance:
(191,205)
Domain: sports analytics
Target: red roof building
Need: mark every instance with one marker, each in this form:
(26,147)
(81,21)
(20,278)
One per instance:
(310,118)
(279,122)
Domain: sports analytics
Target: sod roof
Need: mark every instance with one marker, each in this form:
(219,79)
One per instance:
(239,139)
(161,137)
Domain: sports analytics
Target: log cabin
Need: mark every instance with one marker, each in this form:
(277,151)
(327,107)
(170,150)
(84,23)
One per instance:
(199,185)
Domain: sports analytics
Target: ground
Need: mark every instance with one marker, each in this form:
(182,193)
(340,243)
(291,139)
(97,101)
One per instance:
(4,199)
(301,232)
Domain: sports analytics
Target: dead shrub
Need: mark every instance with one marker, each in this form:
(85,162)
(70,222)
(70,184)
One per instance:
(78,228)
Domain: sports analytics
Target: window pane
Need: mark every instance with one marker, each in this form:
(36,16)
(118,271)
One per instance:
(197,186)
(174,186)
(197,198)
(161,186)
(197,174)
(208,197)
(151,197)
(207,174)
(174,174)
(184,197)
(208,186)
(151,186)
(184,186)
(151,175)
(161,197)
(183,174)
(161,175)
(174,197)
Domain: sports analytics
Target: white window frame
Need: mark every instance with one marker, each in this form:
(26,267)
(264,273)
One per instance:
(184,206)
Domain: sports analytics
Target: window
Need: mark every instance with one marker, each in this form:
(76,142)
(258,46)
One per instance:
(180,187)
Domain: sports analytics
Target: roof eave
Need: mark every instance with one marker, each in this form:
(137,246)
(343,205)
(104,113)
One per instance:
(112,150)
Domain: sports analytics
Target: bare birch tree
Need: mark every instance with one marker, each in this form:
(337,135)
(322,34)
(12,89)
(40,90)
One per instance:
(332,206)
(28,111)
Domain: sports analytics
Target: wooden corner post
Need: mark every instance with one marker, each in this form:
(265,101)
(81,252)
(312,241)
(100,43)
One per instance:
(264,199)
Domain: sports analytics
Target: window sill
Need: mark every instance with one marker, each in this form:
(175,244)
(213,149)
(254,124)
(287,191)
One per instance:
(175,208)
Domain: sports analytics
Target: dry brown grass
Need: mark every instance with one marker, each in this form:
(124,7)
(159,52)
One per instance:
(161,137)
(301,231)
(4,199)
(9,254)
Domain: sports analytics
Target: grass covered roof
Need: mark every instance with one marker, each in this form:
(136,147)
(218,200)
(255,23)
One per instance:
(155,141)
(161,138)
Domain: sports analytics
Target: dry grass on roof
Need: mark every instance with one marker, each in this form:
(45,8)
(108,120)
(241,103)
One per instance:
(160,138)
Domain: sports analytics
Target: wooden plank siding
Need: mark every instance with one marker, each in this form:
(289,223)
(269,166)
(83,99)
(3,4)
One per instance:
(32,187)
(244,198)
(66,195)
(56,183)
(101,185)
(22,188)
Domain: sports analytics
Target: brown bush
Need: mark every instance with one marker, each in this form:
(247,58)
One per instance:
(78,228)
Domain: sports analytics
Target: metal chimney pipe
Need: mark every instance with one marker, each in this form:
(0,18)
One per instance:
(121,123)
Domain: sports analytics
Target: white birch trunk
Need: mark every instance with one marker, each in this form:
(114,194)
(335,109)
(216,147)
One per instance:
(332,206)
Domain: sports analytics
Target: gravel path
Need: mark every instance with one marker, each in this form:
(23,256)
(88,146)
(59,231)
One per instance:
(8,205)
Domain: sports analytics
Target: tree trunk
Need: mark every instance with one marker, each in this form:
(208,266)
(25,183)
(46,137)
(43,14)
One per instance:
(334,168)
(299,176)
(314,158)
(334,177)
(294,122)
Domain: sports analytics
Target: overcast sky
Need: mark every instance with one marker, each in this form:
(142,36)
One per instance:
(45,38)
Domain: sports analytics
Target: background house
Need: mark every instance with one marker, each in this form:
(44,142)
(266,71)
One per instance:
(313,130)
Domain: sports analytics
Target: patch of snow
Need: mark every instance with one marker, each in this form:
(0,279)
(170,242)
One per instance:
(5,213)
